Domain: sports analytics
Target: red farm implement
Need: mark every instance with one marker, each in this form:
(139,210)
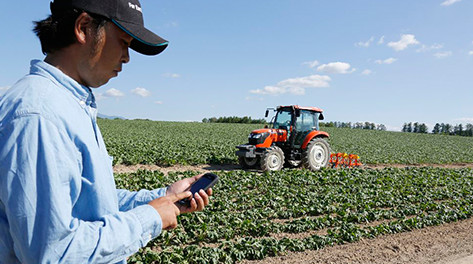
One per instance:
(344,160)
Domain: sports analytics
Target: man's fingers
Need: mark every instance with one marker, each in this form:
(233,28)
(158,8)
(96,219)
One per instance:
(176,197)
(199,201)
(205,197)
(193,205)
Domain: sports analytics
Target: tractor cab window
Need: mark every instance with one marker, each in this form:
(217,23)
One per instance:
(307,121)
(283,119)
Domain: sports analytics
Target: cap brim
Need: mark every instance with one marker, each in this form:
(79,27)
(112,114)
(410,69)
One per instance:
(144,41)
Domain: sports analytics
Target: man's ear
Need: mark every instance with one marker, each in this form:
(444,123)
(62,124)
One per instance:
(82,27)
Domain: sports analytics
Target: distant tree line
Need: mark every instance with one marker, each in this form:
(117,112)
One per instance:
(440,129)
(415,127)
(357,125)
(458,130)
(234,119)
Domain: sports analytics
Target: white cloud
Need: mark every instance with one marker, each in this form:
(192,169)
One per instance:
(465,119)
(273,90)
(366,72)
(443,54)
(158,102)
(141,92)
(171,75)
(393,128)
(336,67)
(470,53)
(112,92)
(295,86)
(365,44)
(386,61)
(311,64)
(449,2)
(381,40)
(312,81)
(296,90)
(425,48)
(404,42)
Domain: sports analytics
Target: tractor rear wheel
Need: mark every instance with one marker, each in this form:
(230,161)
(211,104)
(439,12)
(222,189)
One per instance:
(248,163)
(272,159)
(316,155)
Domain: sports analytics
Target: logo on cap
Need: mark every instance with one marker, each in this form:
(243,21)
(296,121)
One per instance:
(136,7)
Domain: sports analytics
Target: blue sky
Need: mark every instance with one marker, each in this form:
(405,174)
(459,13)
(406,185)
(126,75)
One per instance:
(387,62)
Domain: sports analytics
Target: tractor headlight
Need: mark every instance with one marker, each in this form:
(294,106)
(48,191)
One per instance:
(257,138)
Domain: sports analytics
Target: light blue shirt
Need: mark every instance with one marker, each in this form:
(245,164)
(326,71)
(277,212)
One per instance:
(58,200)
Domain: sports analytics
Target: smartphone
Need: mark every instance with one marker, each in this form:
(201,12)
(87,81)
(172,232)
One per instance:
(205,182)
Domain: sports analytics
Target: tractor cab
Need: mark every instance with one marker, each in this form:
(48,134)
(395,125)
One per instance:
(297,121)
(292,131)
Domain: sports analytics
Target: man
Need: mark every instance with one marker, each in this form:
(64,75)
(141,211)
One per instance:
(58,200)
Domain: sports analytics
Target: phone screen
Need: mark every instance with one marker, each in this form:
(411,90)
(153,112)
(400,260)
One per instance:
(206,181)
(202,183)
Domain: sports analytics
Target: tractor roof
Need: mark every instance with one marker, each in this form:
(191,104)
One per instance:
(315,109)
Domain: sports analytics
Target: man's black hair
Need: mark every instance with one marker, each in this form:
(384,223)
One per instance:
(57,31)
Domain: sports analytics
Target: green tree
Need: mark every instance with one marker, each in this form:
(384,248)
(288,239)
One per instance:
(436,129)
(423,128)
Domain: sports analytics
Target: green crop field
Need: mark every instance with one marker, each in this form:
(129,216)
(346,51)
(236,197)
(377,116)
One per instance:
(168,143)
(256,215)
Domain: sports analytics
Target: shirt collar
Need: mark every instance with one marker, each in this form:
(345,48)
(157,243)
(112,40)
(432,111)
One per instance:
(81,92)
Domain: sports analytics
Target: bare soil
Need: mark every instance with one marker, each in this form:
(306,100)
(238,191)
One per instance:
(445,244)
(448,166)
(177,168)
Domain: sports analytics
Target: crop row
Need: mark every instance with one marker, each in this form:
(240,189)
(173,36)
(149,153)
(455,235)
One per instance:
(169,143)
(249,208)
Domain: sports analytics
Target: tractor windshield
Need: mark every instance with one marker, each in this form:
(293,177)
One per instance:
(283,119)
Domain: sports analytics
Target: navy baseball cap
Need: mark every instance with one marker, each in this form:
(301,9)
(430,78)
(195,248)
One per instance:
(127,15)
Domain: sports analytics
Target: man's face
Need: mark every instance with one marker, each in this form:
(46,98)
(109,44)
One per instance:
(108,51)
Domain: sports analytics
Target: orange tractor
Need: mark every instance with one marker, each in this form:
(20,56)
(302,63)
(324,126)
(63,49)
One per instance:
(294,139)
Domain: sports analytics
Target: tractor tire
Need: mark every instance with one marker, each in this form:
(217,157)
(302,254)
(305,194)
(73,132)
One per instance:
(316,155)
(248,163)
(272,159)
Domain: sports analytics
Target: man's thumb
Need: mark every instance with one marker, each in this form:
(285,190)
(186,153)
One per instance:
(180,196)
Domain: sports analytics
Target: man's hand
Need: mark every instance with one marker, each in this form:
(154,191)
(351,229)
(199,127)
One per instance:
(167,208)
(200,200)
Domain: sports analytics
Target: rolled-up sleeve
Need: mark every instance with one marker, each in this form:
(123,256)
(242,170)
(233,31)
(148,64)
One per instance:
(40,183)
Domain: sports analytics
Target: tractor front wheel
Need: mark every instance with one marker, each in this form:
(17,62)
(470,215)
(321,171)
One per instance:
(316,155)
(248,163)
(272,159)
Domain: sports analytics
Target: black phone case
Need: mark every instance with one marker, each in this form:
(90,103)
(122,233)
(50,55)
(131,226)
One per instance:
(210,185)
